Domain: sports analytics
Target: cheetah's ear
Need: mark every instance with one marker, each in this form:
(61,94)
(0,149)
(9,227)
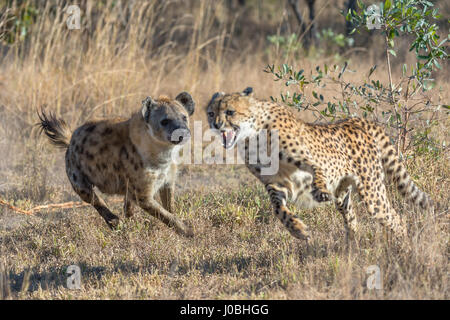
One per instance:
(217,95)
(186,101)
(147,105)
(248,91)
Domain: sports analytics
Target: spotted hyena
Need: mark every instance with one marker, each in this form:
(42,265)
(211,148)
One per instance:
(130,157)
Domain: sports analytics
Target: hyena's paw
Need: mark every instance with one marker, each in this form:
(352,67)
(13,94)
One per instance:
(129,211)
(321,195)
(187,230)
(113,222)
(298,229)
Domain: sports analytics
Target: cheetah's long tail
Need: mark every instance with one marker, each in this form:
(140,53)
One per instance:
(397,173)
(57,131)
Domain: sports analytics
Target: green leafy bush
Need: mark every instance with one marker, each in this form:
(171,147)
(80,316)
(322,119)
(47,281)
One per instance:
(404,95)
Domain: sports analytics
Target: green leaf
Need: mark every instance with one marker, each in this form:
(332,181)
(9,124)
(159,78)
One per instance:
(387,5)
(392,52)
(359,3)
(391,34)
(371,70)
(428,85)
(437,64)
(343,70)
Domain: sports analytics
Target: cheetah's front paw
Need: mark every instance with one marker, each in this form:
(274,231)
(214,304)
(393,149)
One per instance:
(321,196)
(299,230)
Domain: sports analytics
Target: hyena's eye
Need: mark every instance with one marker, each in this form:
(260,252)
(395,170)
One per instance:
(165,122)
(229,112)
(211,114)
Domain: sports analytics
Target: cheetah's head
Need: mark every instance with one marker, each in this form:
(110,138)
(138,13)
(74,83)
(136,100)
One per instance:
(167,120)
(230,114)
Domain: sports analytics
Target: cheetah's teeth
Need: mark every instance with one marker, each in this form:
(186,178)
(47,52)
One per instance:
(228,138)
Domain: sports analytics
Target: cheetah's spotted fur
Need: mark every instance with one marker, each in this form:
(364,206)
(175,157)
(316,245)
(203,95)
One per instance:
(318,162)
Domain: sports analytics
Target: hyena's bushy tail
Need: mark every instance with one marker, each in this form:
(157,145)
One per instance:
(57,131)
(396,172)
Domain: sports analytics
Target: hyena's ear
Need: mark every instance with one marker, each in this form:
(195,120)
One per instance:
(248,91)
(186,101)
(147,105)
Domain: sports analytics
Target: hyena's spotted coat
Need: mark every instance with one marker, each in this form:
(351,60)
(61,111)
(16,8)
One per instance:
(130,157)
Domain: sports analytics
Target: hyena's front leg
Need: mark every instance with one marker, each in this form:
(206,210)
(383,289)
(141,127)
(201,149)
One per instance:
(278,197)
(167,192)
(128,208)
(167,197)
(155,209)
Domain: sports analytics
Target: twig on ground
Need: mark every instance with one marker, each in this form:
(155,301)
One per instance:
(51,206)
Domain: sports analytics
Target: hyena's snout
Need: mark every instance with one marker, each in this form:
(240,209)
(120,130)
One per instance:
(179,133)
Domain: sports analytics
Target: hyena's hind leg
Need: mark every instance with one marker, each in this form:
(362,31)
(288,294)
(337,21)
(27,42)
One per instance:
(86,192)
(278,195)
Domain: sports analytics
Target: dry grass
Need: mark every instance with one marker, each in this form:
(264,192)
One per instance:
(240,250)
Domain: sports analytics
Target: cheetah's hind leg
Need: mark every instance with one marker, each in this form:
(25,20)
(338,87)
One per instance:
(373,193)
(344,205)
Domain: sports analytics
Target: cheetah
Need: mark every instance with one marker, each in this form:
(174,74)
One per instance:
(131,157)
(318,163)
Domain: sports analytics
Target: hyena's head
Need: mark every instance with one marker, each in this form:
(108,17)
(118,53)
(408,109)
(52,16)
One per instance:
(167,120)
(231,115)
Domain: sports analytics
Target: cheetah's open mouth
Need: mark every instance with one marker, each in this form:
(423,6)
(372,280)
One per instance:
(229,137)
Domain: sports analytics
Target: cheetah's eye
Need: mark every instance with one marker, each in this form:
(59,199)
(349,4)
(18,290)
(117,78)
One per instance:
(211,114)
(229,112)
(165,122)
(184,118)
